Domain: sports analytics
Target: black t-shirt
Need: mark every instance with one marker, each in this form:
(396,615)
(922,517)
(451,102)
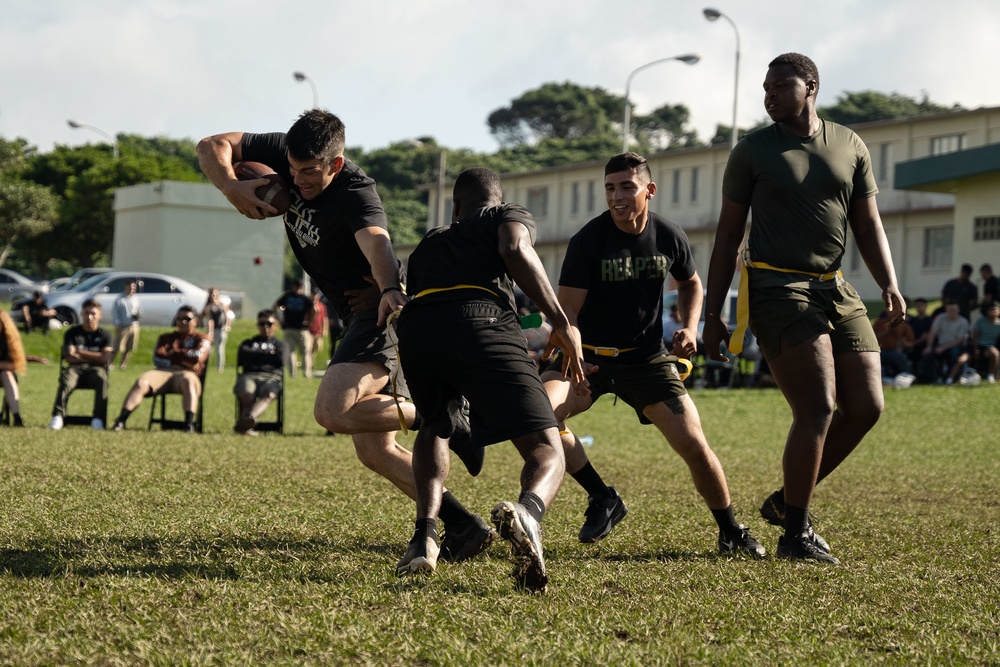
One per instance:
(261,354)
(321,231)
(962,293)
(467,253)
(87,341)
(295,308)
(624,276)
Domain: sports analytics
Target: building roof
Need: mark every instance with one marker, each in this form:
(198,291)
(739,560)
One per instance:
(942,173)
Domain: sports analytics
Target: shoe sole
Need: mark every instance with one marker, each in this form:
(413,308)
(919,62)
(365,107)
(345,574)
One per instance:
(613,521)
(828,560)
(419,565)
(529,568)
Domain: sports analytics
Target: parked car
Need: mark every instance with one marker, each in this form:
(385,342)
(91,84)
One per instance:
(58,283)
(14,286)
(80,276)
(160,296)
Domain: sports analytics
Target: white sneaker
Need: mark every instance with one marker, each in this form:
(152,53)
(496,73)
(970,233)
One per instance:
(56,423)
(991,379)
(97,424)
(904,380)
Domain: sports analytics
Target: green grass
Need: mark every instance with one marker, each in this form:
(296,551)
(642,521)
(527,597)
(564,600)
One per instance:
(165,549)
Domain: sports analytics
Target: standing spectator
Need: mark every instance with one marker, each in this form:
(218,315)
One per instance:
(295,309)
(127,314)
(991,287)
(963,291)
(985,333)
(36,313)
(12,362)
(896,344)
(261,359)
(319,329)
(948,343)
(87,351)
(179,357)
(215,316)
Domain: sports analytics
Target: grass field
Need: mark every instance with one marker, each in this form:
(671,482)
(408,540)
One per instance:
(166,549)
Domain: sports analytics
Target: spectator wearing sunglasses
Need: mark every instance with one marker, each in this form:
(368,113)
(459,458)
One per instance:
(261,360)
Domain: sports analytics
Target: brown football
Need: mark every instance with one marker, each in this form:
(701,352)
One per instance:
(275,192)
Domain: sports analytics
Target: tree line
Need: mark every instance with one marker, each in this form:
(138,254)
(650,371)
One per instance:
(56,207)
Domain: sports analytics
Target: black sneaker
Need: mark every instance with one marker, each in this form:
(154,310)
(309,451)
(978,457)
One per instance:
(603,513)
(467,542)
(525,536)
(802,547)
(420,557)
(190,428)
(773,511)
(740,541)
(460,441)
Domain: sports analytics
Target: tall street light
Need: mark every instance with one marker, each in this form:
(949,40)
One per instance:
(712,15)
(76,125)
(690,59)
(301,76)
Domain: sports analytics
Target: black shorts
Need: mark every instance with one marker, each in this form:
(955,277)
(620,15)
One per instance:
(474,349)
(365,341)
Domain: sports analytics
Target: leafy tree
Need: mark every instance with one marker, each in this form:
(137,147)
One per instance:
(26,209)
(556,111)
(665,128)
(869,105)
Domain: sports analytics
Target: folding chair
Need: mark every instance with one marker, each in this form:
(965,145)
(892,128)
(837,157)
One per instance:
(160,398)
(278,425)
(81,420)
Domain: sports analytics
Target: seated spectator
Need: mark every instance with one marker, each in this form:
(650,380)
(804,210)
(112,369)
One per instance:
(991,288)
(180,357)
(985,333)
(12,362)
(948,348)
(36,314)
(261,358)
(87,352)
(895,344)
(921,325)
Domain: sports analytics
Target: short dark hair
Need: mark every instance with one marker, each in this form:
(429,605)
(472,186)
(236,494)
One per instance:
(91,303)
(316,135)
(967,268)
(986,267)
(267,312)
(803,66)
(478,184)
(628,162)
(185,309)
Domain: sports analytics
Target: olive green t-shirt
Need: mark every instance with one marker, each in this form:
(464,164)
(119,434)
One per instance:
(799,190)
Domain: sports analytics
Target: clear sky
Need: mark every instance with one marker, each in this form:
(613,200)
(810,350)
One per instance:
(396,70)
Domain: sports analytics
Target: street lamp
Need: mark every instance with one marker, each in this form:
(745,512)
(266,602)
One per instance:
(76,125)
(300,76)
(712,15)
(690,59)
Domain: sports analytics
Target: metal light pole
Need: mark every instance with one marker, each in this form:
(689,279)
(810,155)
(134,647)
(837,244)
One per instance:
(690,59)
(76,125)
(301,76)
(712,15)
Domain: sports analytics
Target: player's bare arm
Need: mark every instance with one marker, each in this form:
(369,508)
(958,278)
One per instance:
(216,156)
(377,248)
(689,298)
(571,299)
(728,237)
(866,223)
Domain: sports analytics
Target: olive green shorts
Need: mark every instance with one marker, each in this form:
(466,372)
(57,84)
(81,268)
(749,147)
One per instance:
(786,315)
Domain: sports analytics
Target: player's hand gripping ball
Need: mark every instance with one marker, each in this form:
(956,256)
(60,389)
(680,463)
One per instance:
(274,192)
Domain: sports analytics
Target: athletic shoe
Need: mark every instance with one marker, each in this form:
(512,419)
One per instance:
(991,379)
(460,441)
(245,424)
(603,513)
(904,380)
(740,541)
(525,536)
(97,424)
(420,557)
(190,428)
(251,433)
(17,420)
(773,511)
(802,547)
(468,542)
(119,425)
(56,423)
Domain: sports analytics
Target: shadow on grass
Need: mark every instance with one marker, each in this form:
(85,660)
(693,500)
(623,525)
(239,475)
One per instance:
(201,558)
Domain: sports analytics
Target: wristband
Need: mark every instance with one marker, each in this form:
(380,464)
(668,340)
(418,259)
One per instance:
(391,289)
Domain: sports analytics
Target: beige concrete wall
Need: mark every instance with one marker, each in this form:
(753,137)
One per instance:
(191,231)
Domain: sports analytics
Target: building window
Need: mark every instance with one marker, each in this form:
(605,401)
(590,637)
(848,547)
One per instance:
(694,184)
(937,247)
(574,199)
(675,196)
(986,228)
(538,202)
(948,144)
(591,200)
(884,161)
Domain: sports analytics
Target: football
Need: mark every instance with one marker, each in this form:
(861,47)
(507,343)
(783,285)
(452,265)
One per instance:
(274,192)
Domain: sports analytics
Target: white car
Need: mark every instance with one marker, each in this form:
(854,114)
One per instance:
(14,286)
(160,296)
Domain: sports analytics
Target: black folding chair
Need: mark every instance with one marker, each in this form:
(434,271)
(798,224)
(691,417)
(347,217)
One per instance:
(278,425)
(160,398)
(81,420)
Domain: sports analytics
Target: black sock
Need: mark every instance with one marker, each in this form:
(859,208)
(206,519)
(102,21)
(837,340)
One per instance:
(796,520)
(425,528)
(726,519)
(453,512)
(188,417)
(123,415)
(534,505)
(779,495)
(591,481)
